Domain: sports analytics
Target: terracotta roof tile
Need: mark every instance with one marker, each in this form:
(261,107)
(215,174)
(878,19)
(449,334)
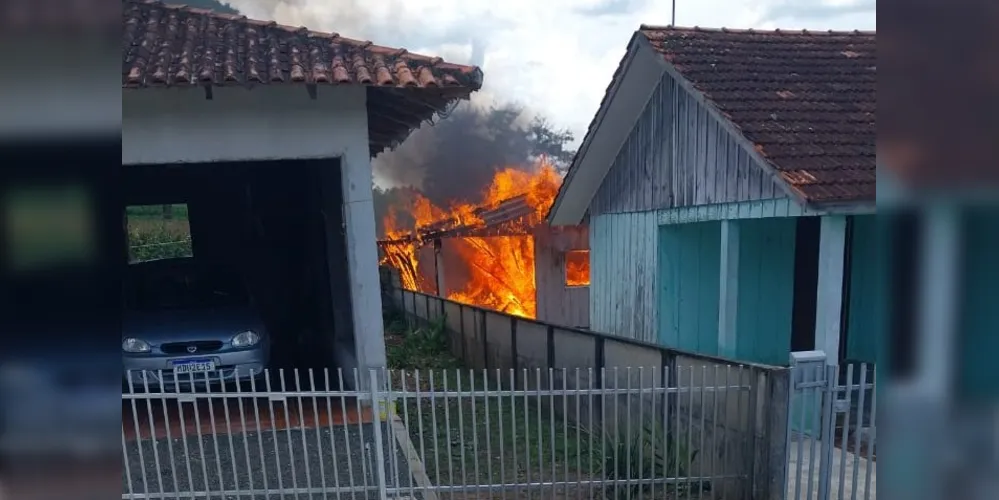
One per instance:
(174,45)
(167,45)
(807,100)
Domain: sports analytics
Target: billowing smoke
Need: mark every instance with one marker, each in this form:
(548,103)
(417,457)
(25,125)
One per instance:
(454,158)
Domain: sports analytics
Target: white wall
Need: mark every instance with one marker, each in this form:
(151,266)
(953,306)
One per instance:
(179,125)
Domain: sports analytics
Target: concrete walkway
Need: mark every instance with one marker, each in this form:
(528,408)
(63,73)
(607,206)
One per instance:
(852,468)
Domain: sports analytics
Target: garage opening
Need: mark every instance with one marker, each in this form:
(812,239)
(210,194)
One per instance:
(227,258)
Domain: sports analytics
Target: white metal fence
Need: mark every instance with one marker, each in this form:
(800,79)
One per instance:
(832,431)
(528,433)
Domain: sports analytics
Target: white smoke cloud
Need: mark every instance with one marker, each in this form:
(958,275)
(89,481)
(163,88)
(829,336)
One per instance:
(553,56)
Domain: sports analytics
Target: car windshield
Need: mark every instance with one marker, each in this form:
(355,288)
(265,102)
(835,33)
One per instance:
(182,284)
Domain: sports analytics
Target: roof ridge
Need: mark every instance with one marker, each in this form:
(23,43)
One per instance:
(779,31)
(332,36)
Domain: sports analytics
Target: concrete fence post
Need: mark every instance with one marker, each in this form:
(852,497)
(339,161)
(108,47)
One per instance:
(770,480)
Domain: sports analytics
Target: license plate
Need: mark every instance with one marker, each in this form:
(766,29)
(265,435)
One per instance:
(194,366)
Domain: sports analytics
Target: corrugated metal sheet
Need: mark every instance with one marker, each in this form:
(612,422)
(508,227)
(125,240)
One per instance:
(677,156)
(556,302)
(623,268)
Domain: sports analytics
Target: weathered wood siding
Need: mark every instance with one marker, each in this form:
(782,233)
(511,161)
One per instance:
(678,155)
(623,255)
(557,303)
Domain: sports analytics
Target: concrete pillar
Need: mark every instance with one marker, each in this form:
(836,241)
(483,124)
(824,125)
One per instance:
(829,295)
(728,289)
(362,256)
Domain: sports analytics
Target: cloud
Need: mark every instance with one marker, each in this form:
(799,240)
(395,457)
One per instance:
(610,8)
(554,56)
(820,10)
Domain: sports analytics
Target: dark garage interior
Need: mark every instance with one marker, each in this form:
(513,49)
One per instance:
(277,225)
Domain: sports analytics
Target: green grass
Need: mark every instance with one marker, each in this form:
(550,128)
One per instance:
(511,439)
(178,211)
(157,238)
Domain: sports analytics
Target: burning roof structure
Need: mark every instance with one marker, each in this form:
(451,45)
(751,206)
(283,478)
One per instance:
(490,246)
(506,218)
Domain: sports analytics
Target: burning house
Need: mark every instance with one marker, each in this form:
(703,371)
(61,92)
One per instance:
(499,253)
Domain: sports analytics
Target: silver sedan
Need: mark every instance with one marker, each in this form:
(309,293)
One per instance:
(188,327)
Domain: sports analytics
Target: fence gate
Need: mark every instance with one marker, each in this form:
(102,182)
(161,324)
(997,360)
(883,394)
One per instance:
(831,431)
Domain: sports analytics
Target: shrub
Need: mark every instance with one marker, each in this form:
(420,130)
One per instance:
(650,452)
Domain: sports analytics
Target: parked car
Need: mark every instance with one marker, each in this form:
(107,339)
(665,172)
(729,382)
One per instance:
(187,325)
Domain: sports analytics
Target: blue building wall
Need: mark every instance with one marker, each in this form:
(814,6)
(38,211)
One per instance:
(978,342)
(689,265)
(689,275)
(766,290)
(866,302)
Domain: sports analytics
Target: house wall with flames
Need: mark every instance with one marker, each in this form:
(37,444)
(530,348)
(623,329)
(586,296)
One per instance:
(506,261)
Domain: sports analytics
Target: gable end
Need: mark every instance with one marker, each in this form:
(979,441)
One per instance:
(680,154)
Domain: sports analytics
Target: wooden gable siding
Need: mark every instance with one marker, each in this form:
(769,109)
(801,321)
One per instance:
(557,303)
(678,155)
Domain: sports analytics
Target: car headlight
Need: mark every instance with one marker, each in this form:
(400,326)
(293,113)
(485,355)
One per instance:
(245,339)
(135,345)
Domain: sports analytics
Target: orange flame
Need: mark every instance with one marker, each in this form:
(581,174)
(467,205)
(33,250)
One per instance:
(577,268)
(499,270)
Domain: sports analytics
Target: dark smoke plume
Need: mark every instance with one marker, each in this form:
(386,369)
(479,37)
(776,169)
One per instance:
(455,158)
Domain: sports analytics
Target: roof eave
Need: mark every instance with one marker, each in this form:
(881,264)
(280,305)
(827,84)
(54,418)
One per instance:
(562,215)
(844,207)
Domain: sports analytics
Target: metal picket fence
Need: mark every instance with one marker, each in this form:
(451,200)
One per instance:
(452,434)
(832,431)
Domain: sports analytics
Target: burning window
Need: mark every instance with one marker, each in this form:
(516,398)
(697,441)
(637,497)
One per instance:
(577,268)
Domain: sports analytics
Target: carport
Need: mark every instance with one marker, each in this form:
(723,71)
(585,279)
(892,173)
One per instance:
(266,132)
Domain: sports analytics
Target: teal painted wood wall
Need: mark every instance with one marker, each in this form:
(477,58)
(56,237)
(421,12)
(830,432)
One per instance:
(866,292)
(978,342)
(766,290)
(689,265)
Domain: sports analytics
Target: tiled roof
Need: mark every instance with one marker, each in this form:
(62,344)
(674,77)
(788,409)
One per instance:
(806,100)
(177,45)
(174,45)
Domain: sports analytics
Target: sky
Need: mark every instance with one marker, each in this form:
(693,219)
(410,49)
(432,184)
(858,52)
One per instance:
(555,57)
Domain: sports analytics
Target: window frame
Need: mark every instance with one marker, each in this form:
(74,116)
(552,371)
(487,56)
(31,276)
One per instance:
(565,267)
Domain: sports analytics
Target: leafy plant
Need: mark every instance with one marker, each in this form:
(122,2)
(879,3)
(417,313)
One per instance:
(650,452)
(425,347)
